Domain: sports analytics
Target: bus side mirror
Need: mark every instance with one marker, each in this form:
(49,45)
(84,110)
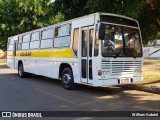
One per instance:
(102,31)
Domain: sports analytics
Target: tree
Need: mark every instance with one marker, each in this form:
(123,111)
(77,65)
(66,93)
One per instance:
(18,16)
(147,12)
(148,18)
(70,8)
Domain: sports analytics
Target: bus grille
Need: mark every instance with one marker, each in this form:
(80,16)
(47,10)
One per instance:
(121,67)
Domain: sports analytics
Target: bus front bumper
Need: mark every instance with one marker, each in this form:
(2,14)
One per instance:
(118,81)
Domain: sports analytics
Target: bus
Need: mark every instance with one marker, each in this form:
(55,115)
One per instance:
(100,49)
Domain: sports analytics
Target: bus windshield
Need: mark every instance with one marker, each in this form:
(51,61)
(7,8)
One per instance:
(120,41)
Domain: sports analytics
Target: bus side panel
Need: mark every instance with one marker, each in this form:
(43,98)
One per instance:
(76,71)
(48,68)
(10,62)
(31,66)
(86,21)
(10,59)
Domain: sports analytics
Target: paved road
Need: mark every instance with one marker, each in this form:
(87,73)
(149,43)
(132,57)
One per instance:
(44,94)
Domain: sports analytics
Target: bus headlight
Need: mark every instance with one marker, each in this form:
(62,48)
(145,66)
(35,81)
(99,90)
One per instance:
(108,72)
(104,72)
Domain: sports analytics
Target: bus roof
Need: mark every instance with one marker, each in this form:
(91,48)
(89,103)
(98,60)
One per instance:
(69,21)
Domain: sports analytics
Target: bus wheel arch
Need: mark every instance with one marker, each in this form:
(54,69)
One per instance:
(67,77)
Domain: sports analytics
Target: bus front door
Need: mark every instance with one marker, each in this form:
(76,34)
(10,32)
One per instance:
(86,54)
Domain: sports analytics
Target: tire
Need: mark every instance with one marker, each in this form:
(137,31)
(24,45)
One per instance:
(21,72)
(67,79)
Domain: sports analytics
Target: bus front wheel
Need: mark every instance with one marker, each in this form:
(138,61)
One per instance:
(67,79)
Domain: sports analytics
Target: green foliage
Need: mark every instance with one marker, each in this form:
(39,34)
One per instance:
(158,35)
(148,18)
(148,29)
(18,16)
(101,6)
(132,8)
(147,12)
(70,8)
(56,19)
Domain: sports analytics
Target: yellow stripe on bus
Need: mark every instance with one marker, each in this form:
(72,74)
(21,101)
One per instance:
(49,53)
(10,53)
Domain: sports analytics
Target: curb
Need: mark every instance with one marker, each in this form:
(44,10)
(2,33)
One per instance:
(145,88)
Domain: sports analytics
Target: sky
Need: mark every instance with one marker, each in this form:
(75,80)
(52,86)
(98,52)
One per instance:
(52,0)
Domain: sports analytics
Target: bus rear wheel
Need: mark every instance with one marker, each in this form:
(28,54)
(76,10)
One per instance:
(67,79)
(21,72)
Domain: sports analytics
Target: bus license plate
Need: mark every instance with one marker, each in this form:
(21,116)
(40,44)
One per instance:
(125,80)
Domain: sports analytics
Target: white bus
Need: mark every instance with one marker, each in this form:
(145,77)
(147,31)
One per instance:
(99,49)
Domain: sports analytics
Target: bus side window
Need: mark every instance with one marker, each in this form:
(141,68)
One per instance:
(35,42)
(47,38)
(62,36)
(19,45)
(96,46)
(56,32)
(25,41)
(75,40)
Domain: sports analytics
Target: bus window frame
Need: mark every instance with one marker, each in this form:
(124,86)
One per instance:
(56,35)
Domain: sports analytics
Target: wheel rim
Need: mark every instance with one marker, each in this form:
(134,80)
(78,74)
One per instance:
(66,78)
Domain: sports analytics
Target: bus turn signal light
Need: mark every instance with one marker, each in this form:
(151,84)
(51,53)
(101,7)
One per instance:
(99,72)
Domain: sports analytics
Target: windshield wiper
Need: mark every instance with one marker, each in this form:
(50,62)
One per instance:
(129,50)
(118,53)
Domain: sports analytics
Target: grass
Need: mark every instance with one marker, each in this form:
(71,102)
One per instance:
(151,71)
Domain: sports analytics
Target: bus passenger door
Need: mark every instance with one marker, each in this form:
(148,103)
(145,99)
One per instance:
(14,54)
(86,54)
